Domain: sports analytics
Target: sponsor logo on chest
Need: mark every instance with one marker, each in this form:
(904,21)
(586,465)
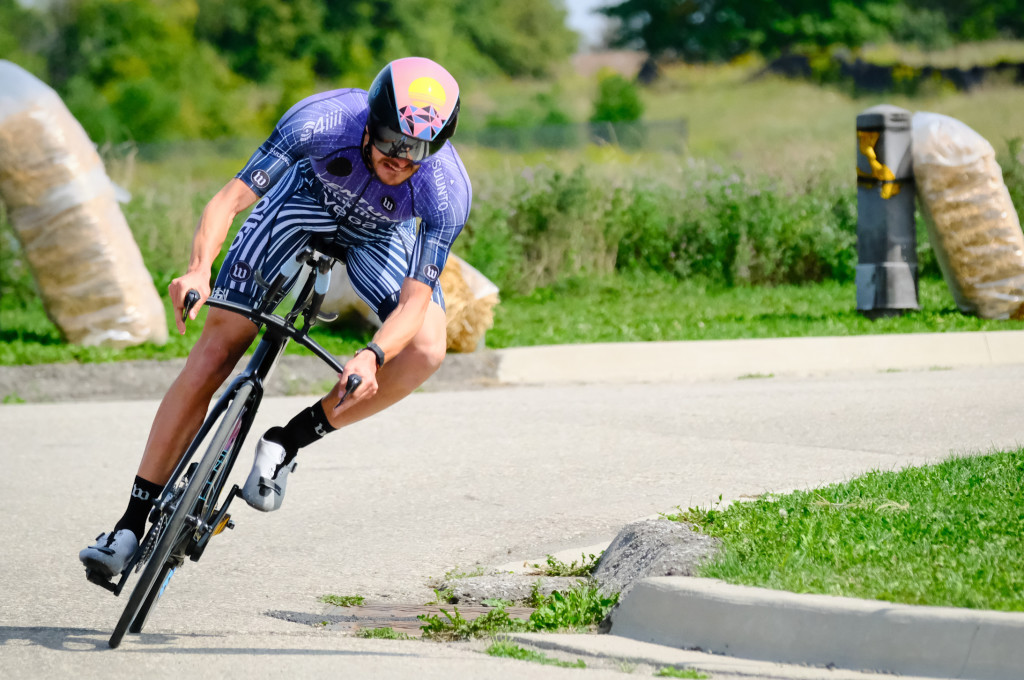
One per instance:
(351,209)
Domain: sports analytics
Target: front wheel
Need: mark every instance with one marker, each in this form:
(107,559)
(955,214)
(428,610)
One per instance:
(180,524)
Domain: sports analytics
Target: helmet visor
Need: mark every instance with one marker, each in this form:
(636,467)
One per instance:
(397,145)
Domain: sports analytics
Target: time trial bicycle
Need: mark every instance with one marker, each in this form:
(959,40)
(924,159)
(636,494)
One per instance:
(191,510)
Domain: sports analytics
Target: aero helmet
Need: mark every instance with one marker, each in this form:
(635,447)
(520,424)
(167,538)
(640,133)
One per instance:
(414,107)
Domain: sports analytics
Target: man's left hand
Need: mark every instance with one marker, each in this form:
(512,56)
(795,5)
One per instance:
(363,364)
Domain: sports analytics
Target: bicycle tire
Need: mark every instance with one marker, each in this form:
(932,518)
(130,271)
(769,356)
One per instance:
(147,605)
(150,580)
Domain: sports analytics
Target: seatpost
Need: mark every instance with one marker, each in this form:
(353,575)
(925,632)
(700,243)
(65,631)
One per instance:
(320,287)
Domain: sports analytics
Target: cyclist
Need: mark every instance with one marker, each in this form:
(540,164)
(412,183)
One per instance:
(362,167)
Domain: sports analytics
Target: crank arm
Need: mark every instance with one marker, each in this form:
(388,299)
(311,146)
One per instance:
(221,521)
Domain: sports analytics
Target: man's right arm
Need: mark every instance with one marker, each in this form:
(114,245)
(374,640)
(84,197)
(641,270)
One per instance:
(213,228)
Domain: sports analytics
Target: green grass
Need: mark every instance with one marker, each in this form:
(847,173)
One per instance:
(627,308)
(386,633)
(792,129)
(452,625)
(556,567)
(673,672)
(580,608)
(510,650)
(650,308)
(950,534)
(343,600)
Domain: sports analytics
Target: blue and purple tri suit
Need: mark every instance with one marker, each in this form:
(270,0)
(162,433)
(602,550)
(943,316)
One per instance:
(311,178)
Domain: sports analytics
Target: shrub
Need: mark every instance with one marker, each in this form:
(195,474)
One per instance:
(618,100)
(712,223)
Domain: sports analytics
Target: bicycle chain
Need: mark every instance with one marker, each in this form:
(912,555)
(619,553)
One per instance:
(150,543)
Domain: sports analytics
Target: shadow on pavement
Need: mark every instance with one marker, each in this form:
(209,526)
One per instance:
(91,640)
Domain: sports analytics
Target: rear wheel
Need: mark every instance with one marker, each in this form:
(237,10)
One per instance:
(180,525)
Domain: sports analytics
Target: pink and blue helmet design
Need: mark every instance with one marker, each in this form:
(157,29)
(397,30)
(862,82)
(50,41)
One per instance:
(414,108)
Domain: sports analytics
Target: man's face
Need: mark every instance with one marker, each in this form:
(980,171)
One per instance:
(390,171)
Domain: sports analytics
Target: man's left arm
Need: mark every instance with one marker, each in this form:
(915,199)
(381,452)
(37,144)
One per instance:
(392,337)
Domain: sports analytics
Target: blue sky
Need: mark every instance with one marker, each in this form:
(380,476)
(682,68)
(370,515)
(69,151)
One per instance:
(582,20)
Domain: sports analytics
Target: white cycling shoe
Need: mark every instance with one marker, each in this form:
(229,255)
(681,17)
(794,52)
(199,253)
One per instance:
(264,489)
(111,552)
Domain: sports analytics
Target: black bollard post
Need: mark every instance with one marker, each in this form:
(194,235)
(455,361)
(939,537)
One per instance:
(886,237)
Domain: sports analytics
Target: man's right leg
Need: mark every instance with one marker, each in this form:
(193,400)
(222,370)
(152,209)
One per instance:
(225,338)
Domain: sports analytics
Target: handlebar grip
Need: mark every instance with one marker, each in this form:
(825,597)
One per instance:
(351,385)
(191,298)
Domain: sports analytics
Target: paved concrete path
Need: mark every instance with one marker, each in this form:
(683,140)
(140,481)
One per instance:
(444,480)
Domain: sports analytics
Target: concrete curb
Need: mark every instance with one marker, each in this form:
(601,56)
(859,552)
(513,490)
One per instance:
(600,363)
(717,359)
(777,626)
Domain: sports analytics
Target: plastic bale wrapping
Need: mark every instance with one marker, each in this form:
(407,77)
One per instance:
(341,298)
(971,221)
(469,299)
(61,205)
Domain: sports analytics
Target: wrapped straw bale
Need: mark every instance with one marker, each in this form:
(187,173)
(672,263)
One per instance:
(972,224)
(61,205)
(469,300)
(341,297)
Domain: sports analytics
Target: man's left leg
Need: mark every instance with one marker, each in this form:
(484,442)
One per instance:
(265,487)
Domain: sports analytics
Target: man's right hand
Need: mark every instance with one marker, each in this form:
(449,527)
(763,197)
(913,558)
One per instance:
(180,287)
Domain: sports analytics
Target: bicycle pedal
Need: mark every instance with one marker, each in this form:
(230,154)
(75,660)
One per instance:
(102,581)
(225,523)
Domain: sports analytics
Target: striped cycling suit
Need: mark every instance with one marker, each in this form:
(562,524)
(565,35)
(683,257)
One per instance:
(311,177)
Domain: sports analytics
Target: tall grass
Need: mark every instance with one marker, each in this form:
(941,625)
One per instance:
(702,220)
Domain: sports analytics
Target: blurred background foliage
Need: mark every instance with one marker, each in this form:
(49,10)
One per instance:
(714,30)
(709,172)
(164,70)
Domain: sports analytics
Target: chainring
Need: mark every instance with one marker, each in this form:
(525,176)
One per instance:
(155,532)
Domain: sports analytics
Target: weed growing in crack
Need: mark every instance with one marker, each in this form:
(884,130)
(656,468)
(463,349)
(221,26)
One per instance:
(386,633)
(510,650)
(556,567)
(343,600)
(446,596)
(673,672)
(453,626)
(581,607)
(536,599)
(455,573)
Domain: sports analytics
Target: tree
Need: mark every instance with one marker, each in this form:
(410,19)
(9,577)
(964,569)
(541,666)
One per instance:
(522,38)
(708,30)
(134,70)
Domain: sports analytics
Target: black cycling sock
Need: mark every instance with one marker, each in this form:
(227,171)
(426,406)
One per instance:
(144,493)
(308,426)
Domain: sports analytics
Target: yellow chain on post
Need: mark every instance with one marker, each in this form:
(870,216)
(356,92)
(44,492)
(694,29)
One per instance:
(879,171)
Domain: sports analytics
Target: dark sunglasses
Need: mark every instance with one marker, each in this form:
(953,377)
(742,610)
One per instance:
(397,145)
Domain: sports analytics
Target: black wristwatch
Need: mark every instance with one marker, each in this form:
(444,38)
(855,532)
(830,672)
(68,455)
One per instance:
(378,353)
